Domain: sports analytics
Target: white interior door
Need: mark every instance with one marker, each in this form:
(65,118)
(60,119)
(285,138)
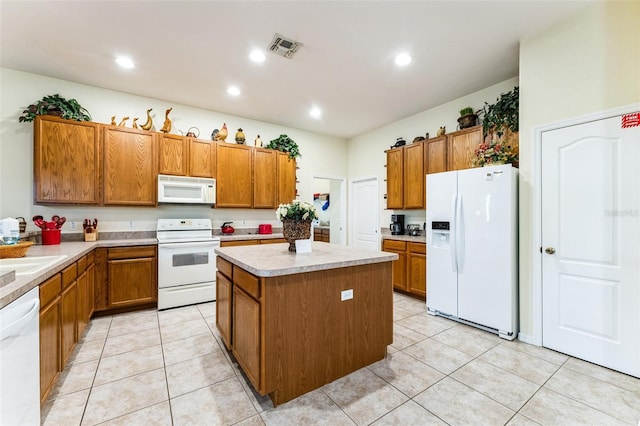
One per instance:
(591,243)
(364,217)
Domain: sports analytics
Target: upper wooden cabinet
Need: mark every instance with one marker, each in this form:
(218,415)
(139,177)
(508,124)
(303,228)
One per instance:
(183,156)
(66,161)
(435,155)
(395,178)
(265,178)
(130,169)
(286,179)
(234,176)
(461,147)
(413,176)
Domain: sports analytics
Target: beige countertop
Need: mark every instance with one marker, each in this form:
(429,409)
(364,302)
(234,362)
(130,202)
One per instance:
(386,235)
(270,260)
(74,250)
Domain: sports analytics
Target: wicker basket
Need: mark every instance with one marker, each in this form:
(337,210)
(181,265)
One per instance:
(15,250)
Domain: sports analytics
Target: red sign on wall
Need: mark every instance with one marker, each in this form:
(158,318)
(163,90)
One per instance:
(631,120)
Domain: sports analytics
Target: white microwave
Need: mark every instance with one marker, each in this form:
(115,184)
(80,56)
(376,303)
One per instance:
(186,190)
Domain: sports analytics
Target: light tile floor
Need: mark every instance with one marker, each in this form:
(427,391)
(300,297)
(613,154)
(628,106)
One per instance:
(170,368)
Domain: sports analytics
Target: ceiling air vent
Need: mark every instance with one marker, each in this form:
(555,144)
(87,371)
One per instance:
(282,46)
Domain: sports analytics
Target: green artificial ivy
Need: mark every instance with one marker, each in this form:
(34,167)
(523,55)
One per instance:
(502,115)
(285,144)
(68,109)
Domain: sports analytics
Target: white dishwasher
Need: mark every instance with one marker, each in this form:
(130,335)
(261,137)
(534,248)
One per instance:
(20,361)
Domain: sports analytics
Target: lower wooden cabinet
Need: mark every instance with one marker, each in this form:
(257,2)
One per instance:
(50,362)
(224,293)
(322,234)
(69,310)
(252,242)
(409,271)
(132,276)
(246,333)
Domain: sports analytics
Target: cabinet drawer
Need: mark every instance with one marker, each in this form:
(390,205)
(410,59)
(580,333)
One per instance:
(224,267)
(417,248)
(233,243)
(394,245)
(273,241)
(69,275)
(49,290)
(246,281)
(131,252)
(82,264)
(91,257)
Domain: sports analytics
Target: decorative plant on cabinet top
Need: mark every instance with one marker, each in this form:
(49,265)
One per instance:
(68,109)
(285,144)
(500,130)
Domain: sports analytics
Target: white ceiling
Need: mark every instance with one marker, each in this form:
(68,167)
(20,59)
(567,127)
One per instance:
(189,52)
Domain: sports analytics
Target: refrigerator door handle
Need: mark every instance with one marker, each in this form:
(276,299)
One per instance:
(453,234)
(459,234)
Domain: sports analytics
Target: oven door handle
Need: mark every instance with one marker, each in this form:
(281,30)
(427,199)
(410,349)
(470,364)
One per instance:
(212,244)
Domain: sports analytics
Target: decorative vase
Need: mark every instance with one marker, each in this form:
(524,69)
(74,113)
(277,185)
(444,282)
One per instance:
(294,229)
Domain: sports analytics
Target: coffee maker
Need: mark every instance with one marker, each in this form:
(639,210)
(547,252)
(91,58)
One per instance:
(397,224)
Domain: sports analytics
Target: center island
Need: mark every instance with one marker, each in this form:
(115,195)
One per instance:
(295,322)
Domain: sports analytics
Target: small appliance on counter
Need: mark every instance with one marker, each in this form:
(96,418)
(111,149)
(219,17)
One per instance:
(414,230)
(264,228)
(227,228)
(397,224)
(9,231)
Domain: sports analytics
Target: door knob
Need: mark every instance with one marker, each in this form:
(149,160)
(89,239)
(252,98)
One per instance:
(549,250)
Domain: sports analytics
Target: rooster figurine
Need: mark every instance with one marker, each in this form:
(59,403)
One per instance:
(222,134)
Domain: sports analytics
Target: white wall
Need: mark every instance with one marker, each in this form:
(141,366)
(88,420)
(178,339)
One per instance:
(319,153)
(366,151)
(586,64)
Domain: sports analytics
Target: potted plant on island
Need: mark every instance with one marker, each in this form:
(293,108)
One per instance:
(68,109)
(468,118)
(296,220)
(285,144)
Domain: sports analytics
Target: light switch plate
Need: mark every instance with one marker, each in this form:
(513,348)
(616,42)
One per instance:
(346,295)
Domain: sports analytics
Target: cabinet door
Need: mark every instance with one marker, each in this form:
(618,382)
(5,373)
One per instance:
(202,158)
(399,266)
(435,155)
(233,171)
(224,290)
(395,178)
(265,177)
(83,305)
(417,269)
(130,169)
(68,319)
(461,147)
(50,365)
(91,279)
(286,179)
(413,176)
(66,161)
(132,282)
(174,155)
(100,281)
(246,334)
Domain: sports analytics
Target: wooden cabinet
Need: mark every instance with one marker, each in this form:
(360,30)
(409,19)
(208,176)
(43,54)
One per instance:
(413,176)
(461,147)
(246,333)
(85,285)
(224,296)
(50,362)
(66,161)
(395,178)
(286,179)
(409,271)
(398,266)
(130,167)
(132,277)
(417,269)
(321,234)
(273,241)
(184,156)
(265,178)
(252,242)
(435,155)
(234,177)
(68,311)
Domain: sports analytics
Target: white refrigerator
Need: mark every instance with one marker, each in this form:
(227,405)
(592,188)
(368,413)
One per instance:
(472,247)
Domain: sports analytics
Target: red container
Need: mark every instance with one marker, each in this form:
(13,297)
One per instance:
(50,236)
(264,229)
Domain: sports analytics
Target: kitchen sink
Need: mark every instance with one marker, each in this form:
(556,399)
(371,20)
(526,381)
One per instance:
(29,265)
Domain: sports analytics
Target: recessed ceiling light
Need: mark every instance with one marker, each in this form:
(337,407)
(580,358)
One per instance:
(257,56)
(125,62)
(403,59)
(233,91)
(315,112)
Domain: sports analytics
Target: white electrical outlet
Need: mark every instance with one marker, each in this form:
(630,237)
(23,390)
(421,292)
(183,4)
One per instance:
(130,224)
(346,295)
(73,226)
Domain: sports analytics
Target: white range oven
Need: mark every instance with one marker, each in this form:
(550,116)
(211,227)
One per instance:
(186,262)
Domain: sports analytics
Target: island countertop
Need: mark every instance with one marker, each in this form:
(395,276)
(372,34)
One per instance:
(275,260)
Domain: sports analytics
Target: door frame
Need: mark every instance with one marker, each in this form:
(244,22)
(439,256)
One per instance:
(352,182)
(343,201)
(536,209)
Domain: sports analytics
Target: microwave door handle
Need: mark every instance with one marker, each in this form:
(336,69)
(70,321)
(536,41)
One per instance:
(189,245)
